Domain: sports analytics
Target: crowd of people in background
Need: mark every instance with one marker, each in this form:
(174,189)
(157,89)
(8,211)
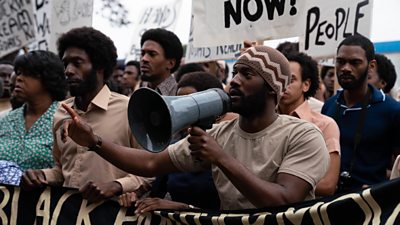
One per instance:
(297,130)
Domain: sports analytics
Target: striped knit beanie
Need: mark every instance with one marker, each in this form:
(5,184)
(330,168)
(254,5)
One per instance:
(270,64)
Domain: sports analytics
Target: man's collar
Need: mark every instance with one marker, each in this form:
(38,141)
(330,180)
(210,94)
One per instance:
(376,95)
(303,111)
(165,87)
(102,98)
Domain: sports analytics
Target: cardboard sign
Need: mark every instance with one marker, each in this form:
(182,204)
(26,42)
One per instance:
(327,24)
(156,14)
(321,25)
(203,54)
(68,14)
(43,27)
(17,26)
(218,22)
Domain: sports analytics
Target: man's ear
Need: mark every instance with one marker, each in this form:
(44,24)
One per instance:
(383,83)
(372,65)
(171,63)
(100,74)
(306,85)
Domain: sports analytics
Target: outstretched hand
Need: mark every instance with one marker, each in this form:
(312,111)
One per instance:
(77,129)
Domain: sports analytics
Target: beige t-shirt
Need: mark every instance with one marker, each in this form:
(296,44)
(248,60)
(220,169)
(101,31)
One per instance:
(289,145)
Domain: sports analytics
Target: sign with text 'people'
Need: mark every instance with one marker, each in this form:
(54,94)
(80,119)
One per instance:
(328,24)
(17,26)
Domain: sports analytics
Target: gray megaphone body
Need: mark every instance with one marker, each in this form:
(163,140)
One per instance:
(153,118)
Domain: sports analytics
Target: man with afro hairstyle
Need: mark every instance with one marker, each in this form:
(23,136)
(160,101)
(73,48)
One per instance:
(160,56)
(89,58)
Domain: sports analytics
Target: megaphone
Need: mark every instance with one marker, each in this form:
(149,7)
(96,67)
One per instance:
(153,118)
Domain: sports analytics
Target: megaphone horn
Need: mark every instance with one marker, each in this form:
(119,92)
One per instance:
(153,118)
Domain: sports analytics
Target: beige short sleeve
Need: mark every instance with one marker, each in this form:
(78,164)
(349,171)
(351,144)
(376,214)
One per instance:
(307,156)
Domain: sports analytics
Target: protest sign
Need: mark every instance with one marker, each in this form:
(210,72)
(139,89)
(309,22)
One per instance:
(203,54)
(329,23)
(43,28)
(218,22)
(161,14)
(54,205)
(321,25)
(58,16)
(16,25)
(68,14)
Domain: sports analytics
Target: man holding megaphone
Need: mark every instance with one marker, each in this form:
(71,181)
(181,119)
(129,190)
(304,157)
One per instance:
(259,159)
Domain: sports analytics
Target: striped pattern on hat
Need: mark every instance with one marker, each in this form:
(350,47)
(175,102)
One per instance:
(270,64)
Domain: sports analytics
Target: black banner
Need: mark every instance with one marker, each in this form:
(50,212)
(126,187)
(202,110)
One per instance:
(52,205)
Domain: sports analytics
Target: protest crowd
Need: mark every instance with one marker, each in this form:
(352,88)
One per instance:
(296,130)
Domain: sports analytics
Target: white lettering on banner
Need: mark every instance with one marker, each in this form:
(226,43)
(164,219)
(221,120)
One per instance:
(16,25)
(43,207)
(3,203)
(370,206)
(83,215)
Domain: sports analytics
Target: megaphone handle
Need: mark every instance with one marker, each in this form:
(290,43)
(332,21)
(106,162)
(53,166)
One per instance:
(205,124)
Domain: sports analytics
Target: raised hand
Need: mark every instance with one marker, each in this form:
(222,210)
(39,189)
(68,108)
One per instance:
(77,129)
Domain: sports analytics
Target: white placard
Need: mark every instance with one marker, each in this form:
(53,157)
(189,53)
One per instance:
(327,24)
(17,26)
(42,23)
(203,54)
(218,22)
(155,14)
(320,25)
(68,14)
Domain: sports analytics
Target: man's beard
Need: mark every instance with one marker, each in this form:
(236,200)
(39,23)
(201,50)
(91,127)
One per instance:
(88,84)
(148,78)
(252,104)
(356,83)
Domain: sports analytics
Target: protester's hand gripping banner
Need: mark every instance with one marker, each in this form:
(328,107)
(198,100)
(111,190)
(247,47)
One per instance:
(53,205)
